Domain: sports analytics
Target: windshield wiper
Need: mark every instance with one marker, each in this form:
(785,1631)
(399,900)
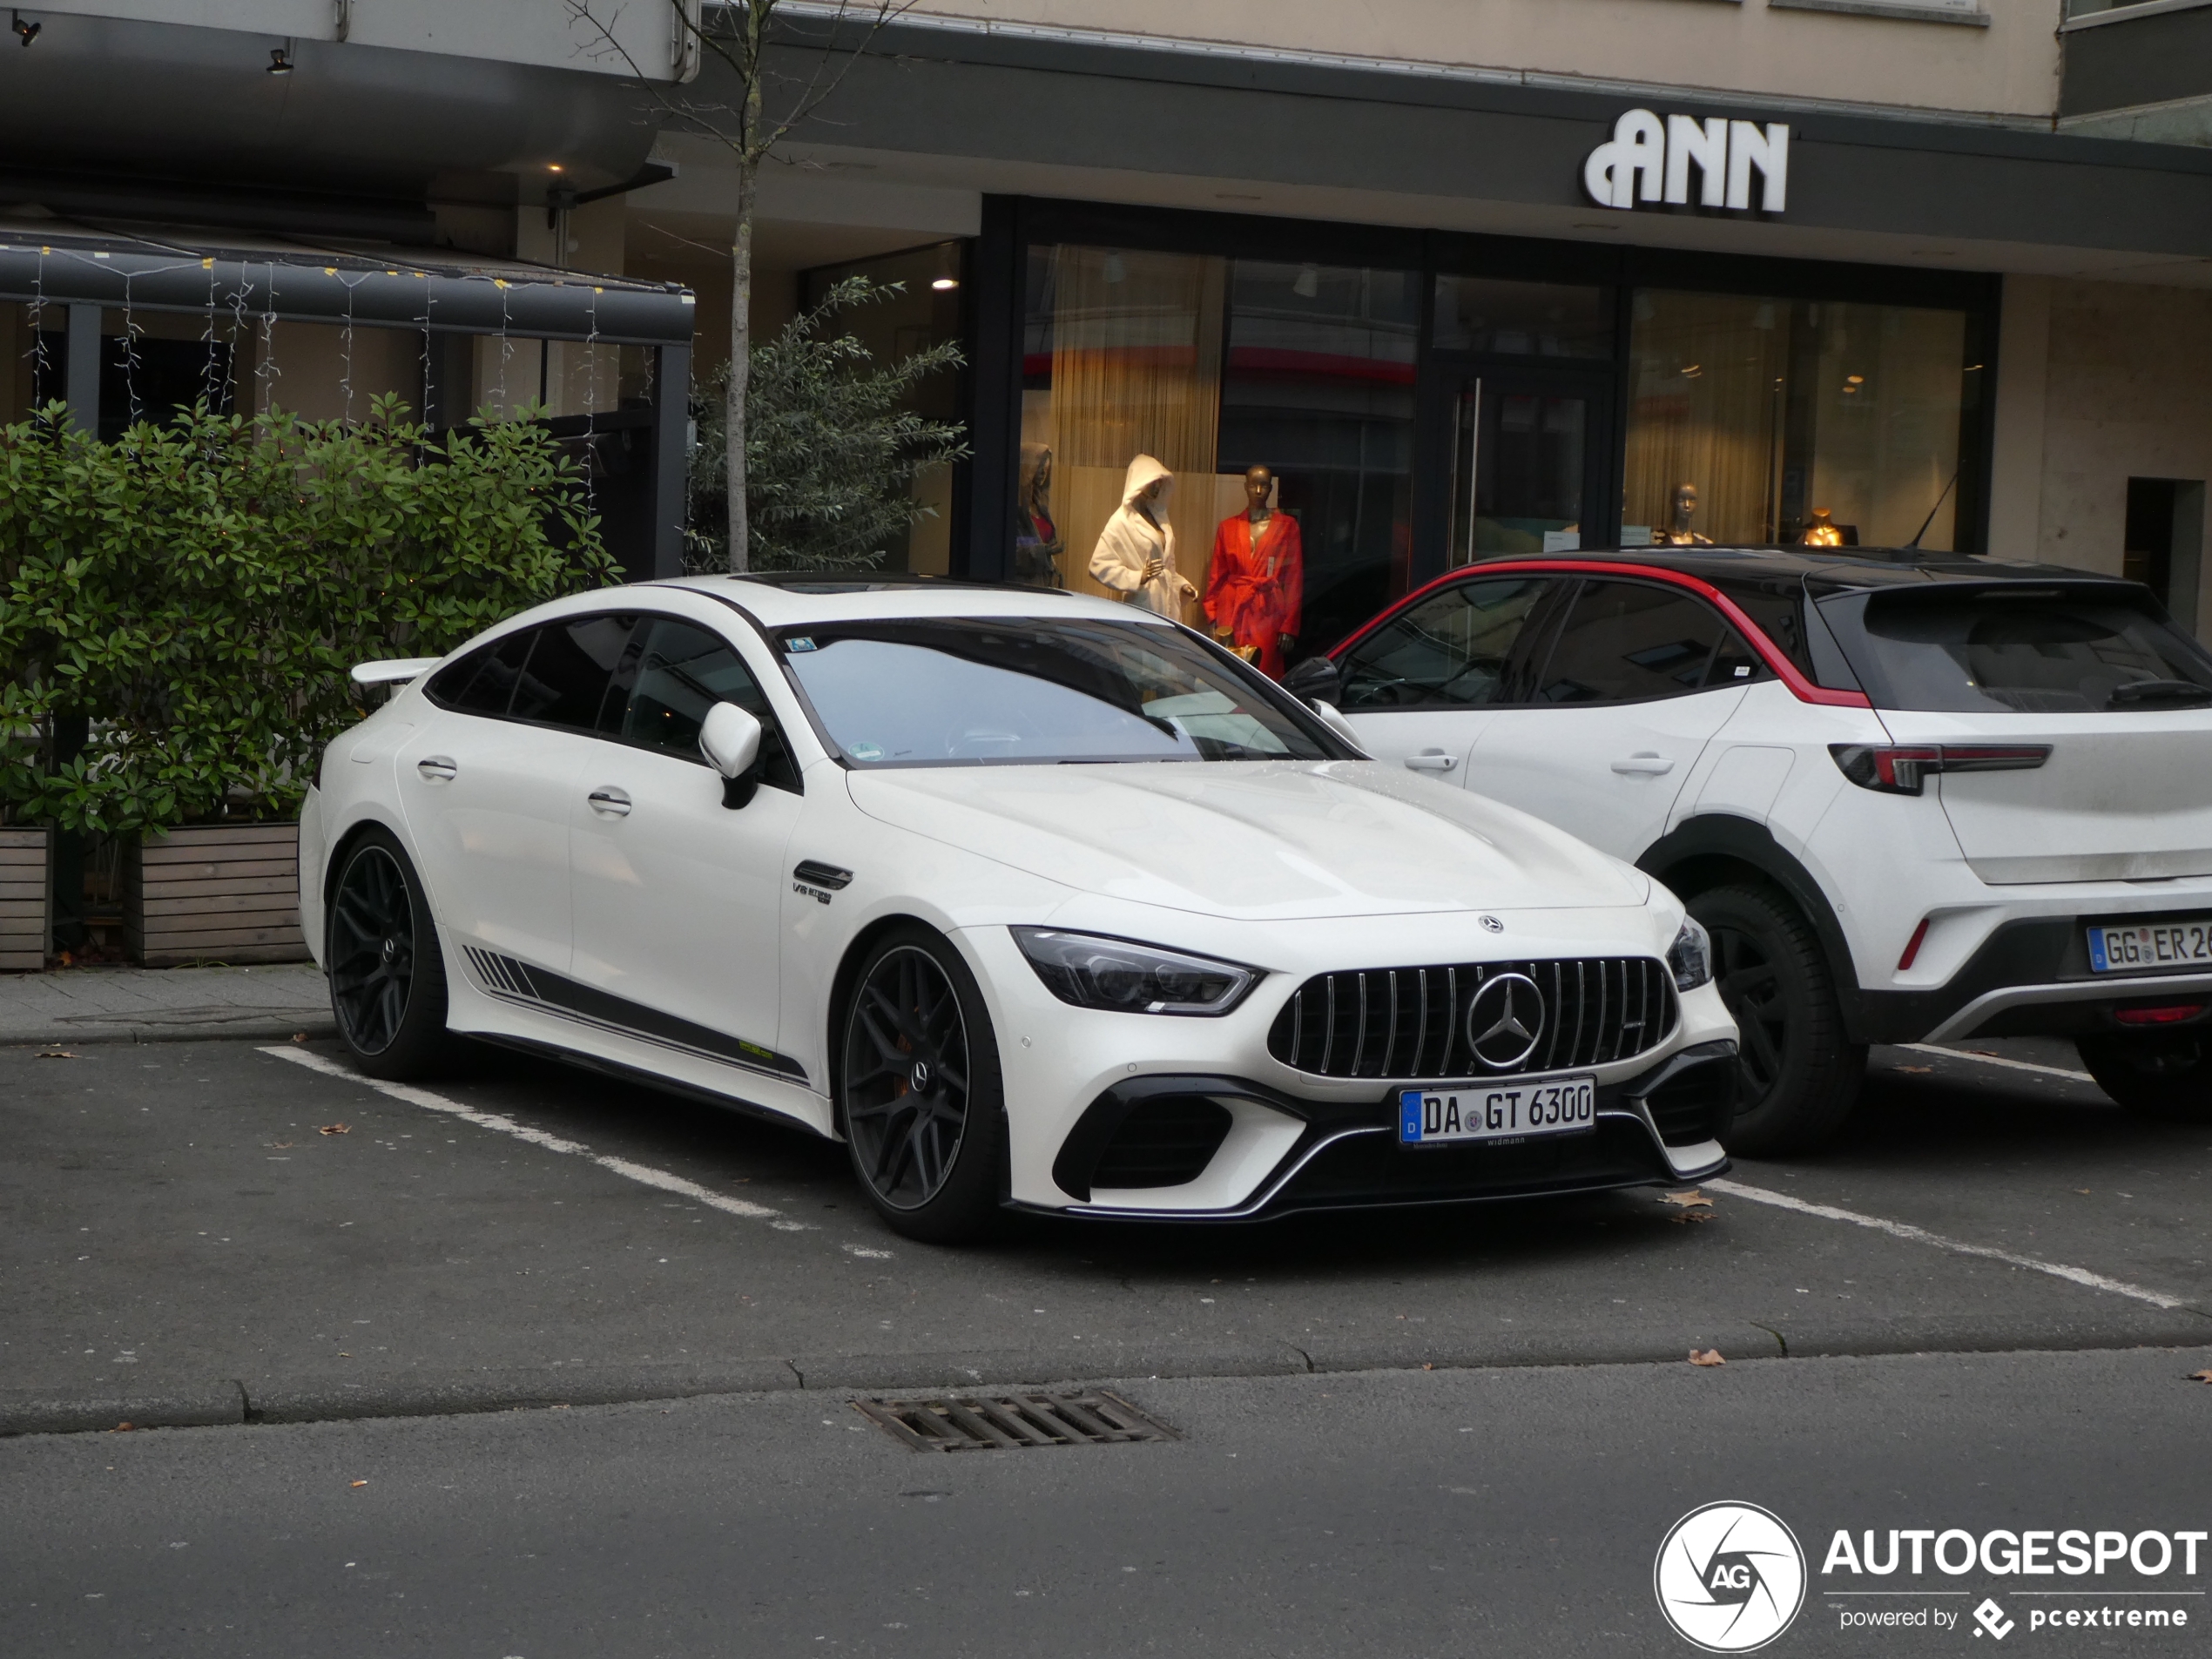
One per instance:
(2158,691)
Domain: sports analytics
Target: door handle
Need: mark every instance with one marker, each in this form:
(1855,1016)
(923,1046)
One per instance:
(1646,764)
(610,802)
(437,769)
(1432,760)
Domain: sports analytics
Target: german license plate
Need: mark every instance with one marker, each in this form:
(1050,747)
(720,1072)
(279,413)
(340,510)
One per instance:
(1509,1109)
(2184,943)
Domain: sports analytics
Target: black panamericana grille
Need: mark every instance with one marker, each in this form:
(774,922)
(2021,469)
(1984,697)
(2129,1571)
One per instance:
(1410,1022)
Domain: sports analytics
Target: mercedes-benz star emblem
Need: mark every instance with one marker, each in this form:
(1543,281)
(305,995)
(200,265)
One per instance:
(1491,924)
(918,1079)
(1505,1021)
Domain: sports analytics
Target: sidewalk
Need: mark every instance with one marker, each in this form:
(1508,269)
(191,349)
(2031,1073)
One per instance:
(164,1004)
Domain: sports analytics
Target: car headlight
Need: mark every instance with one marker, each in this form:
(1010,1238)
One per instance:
(1093,971)
(1691,956)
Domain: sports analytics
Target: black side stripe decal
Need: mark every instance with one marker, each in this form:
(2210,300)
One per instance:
(557,993)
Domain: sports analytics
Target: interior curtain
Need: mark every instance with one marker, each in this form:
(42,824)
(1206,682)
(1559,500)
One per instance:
(1137,341)
(1706,410)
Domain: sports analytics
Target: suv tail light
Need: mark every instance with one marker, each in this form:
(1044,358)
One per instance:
(1900,769)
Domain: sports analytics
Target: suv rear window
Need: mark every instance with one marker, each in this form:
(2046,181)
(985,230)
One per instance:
(2048,653)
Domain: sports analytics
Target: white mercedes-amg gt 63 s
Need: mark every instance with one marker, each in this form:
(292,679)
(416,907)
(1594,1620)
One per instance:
(1036,901)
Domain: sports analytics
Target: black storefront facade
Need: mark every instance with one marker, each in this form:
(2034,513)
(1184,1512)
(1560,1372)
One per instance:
(1431,307)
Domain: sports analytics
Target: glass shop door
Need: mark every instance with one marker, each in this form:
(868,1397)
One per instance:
(1530,450)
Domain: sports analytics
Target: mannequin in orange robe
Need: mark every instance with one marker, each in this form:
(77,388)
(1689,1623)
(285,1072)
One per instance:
(1256,584)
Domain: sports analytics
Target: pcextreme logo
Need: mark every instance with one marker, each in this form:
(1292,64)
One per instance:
(1729,1577)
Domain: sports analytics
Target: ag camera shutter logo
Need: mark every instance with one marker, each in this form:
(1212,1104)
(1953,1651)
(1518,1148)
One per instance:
(1729,1577)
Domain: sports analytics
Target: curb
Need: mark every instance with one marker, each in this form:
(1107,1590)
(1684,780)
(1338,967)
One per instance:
(261,1028)
(456,1394)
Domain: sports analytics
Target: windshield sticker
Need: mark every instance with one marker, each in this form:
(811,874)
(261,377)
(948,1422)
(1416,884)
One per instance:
(864,751)
(803,643)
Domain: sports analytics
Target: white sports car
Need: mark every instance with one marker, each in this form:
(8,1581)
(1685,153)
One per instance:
(1034,900)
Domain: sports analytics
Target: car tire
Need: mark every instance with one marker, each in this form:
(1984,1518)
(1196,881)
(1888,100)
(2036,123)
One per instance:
(387,971)
(2165,1077)
(919,1093)
(1800,1071)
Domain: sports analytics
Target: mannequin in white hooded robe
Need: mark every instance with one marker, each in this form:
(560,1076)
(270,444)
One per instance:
(1136,552)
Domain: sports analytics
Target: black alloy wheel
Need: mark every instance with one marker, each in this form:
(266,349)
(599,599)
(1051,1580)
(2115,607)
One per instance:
(918,1090)
(2165,1077)
(387,985)
(1800,1072)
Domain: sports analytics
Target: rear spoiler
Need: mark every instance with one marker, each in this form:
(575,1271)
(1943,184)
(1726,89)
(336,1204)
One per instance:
(392,671)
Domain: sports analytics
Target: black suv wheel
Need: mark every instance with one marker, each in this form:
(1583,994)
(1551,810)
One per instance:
(2165,1076)
(1800,1072)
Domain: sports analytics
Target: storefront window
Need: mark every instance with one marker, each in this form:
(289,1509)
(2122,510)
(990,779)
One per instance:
(1759,420)
(1206,369)
(924,312)
(1522,318)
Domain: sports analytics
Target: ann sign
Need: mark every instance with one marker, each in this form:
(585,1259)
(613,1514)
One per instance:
(1648,160)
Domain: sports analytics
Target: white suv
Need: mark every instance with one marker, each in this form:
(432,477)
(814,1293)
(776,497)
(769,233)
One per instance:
(1912,797)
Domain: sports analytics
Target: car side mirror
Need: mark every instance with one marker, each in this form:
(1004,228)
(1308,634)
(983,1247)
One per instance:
(729,738)
(1315,680)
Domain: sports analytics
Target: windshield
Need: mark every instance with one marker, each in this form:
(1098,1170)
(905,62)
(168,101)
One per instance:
(956,691)
(2051,654)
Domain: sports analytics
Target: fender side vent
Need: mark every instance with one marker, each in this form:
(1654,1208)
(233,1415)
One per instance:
(1010,1422)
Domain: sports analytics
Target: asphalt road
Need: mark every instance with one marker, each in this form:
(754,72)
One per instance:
(181,1230)
(1447,1513)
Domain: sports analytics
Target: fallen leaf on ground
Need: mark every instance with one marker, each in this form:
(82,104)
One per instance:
(1426,1365)
(1987,1054)
(1691,1200)
(299,1037)
(1706,1357)
(361,1483)
(56,1053)
(336,1128)
(122,1428)
(2195,1376)
(2084,1192)
(1921,1070)
(1693,1214)
(342,1354)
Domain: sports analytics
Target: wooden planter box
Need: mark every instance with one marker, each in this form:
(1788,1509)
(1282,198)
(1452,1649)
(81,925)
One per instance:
(214,893)
(23,885)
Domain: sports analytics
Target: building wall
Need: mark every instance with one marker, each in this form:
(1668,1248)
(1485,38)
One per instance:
(2009,67)
(2098,382)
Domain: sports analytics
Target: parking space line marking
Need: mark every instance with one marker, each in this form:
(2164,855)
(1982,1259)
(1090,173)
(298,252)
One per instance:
(1957,1246)
(1997,1060)
(643,1174)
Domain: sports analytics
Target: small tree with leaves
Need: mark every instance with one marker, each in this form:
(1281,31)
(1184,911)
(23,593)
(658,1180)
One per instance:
(831,447)
(737,37)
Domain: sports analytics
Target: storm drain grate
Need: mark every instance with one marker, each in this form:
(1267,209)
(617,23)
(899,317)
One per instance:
(984,1423)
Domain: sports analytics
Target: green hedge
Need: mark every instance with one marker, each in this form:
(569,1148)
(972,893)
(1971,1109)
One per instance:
(199,589)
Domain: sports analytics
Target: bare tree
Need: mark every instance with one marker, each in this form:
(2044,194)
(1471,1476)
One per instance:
(767,108)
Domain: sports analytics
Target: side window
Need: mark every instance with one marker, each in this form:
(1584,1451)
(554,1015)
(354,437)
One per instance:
(1735,663)
(484,681)
(1450,650)
(1633,642)
(681,672)
(564,682)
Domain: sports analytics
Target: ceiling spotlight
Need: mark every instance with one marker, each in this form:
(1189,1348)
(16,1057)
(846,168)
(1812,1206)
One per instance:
(278,64)
(554,166)
(946,285)
(26,32)
(1856,380)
